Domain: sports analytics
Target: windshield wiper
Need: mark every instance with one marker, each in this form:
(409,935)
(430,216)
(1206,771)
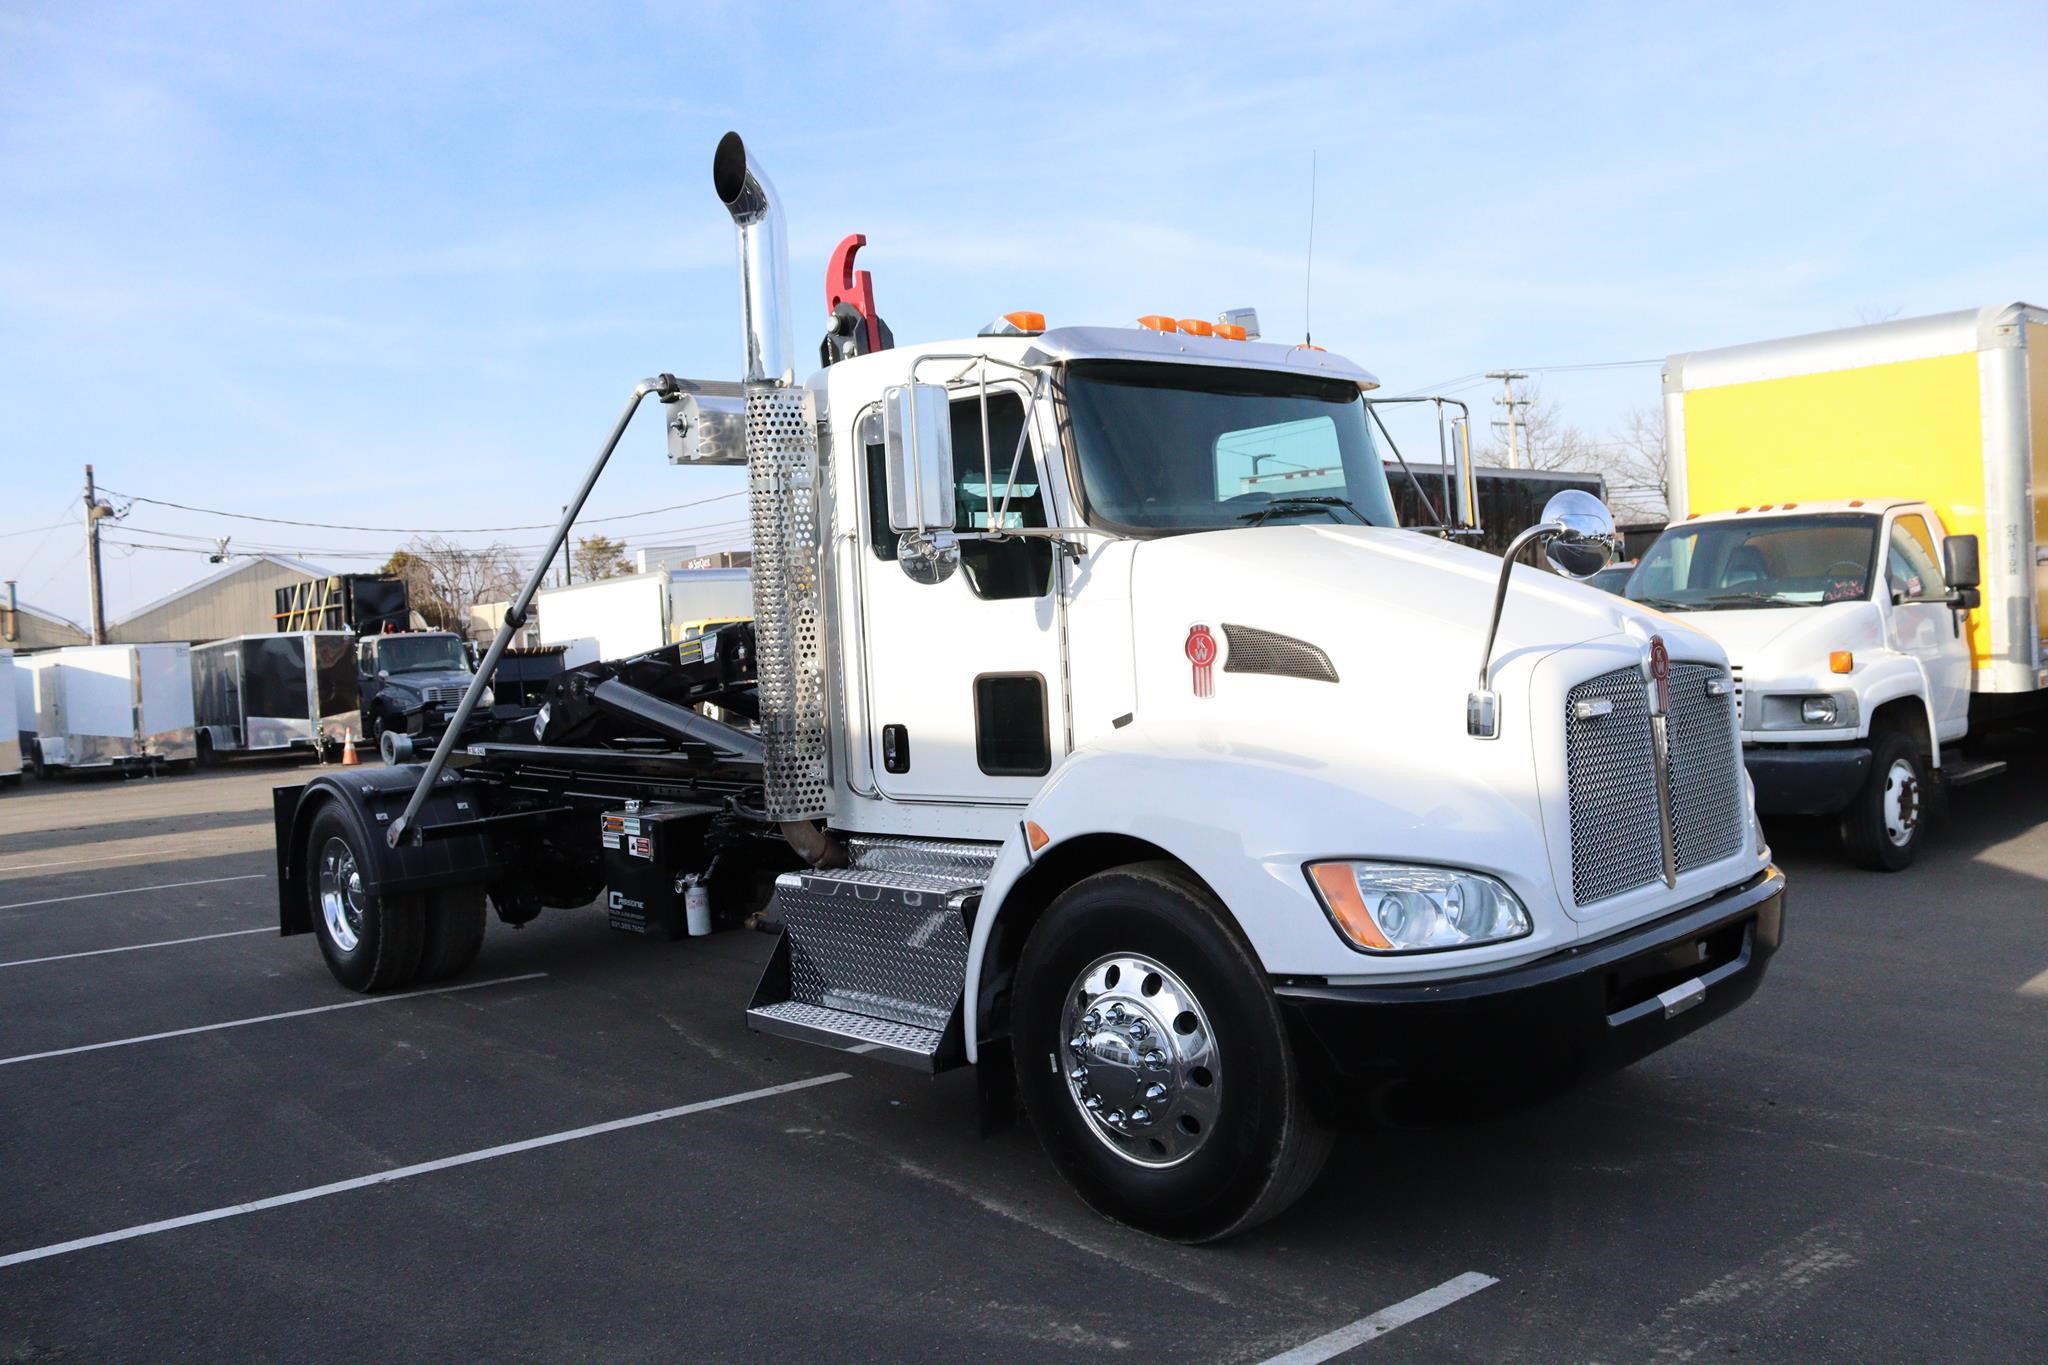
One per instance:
(1750,599)
(1664,603)
(1303,503)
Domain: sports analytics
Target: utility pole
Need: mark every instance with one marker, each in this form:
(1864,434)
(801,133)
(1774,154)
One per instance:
(568,575)
(95,510)
(1514,406)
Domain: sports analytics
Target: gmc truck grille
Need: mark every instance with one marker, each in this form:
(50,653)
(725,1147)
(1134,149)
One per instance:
(1617,838)
(442,696)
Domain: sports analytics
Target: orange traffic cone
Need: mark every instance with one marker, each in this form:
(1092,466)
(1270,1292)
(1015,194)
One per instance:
(348,754)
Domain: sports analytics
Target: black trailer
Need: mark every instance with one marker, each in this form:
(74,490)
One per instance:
(270,693)
(1510,500)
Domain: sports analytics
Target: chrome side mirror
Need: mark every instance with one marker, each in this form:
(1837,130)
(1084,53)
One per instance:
(1579,540)
(917,444)
(1584,542)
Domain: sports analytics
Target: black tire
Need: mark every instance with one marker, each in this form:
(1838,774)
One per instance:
(1867,823)
(454,932)
(1261,1148)
(387,930)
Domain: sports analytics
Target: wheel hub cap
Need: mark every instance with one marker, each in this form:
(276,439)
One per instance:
(1901,802)
(1141,1063)
(341,895)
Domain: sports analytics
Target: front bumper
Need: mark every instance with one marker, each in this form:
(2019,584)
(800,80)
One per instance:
(1482,1042)
(1805,779)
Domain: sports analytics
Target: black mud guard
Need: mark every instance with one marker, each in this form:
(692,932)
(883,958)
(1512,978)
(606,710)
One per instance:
(374,799)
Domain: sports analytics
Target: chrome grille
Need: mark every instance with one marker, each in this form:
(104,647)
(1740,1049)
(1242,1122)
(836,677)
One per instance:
(1706,789)
(442,696)
(1617,845)
(1612,774)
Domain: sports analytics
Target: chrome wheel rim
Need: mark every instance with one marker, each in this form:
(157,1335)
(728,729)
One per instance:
(1901,802)
(341,895)
(1142,1065)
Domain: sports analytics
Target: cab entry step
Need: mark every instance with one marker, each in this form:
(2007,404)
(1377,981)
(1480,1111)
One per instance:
(873,956)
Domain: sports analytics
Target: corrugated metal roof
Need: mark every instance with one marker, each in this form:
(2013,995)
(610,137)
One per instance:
(211,580)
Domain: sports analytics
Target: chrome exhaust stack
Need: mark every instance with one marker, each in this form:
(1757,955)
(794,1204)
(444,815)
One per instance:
(750,198)
(782,488)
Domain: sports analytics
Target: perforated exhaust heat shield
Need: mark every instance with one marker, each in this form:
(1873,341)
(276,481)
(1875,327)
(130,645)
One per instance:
(789,624)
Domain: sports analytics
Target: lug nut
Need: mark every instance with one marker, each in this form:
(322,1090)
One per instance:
(1093,1101)
(1079,1075)
(1155,1058)
(1154,1093)
(1141,1115)
(1139,1029)
(1079,1043)
(1091,1021)
(1116,1014)
(1114,1116)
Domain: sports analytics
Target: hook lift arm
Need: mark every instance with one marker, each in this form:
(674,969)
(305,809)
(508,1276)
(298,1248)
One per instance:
(669,390)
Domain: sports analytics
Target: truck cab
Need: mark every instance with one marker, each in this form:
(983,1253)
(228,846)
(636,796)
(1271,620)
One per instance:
(410,681)
(1846,626)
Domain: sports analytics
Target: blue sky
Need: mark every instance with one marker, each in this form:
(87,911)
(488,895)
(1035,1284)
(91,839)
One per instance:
(398,264)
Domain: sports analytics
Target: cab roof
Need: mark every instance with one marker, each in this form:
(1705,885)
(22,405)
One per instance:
(1874,507)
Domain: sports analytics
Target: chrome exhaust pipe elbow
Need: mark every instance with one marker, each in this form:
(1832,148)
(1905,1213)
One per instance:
(750,198)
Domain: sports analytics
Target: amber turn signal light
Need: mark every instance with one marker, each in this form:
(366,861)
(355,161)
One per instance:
(1841,661)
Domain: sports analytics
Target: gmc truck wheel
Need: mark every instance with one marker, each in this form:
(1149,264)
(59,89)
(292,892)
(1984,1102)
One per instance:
(454,932)
(371,943)
(1153,1063)
(1886,823)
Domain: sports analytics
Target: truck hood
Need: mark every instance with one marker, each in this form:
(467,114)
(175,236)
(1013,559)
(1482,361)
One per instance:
(1401,616)
(1784,642)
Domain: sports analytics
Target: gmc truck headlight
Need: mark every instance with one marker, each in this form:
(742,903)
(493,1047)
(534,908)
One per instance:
(1406,908)
(486,698)
(1809,710)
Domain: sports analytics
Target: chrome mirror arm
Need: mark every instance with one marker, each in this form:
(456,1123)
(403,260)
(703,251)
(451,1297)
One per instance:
(1482,706)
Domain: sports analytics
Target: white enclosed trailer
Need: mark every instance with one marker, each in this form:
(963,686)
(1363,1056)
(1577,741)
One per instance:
(253,693)
(10,724)
(617,618)
(107,706)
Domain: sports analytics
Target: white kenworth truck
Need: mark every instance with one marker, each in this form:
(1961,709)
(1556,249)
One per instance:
(1197,819)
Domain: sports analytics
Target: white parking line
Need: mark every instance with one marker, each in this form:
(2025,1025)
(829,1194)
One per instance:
(405,1172)
(136,890)
(267,1018)
(133,947)
(1380,1323)
(74,862)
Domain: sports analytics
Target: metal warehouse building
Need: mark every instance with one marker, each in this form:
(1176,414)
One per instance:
(23,628)
(239,600)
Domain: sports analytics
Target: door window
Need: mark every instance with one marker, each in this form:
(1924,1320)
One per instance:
(1912,568)
(993,568)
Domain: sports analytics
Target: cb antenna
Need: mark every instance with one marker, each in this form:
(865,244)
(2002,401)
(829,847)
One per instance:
(1309,267)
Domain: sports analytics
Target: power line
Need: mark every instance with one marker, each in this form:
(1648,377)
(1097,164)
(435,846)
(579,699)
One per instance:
(417,530)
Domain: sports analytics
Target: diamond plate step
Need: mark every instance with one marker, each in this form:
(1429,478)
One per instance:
(883,1039)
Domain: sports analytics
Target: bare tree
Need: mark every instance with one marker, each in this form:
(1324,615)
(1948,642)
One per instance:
(1547,440)
(1639,465)
(1631,459)
(445,579)
(598,557)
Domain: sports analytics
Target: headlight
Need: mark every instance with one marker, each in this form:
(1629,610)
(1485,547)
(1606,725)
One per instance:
(1404,908)
(1808,710)
(540,721)
(486,698)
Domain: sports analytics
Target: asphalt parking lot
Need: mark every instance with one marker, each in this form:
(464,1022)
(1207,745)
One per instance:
(1852,1167)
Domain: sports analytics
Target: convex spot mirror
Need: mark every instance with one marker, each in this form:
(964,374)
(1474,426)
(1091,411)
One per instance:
(917,441)
(1586,542)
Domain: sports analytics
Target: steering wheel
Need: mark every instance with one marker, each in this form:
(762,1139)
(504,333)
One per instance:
(1854,566)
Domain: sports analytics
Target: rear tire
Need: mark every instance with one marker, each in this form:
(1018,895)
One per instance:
(455,918)
(371,943)
(1885,824)
(1145,965)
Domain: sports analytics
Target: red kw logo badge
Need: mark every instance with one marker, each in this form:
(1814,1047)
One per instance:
(1660,676)
(1202,654)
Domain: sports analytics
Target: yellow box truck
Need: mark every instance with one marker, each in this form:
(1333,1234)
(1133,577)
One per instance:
(1858,517)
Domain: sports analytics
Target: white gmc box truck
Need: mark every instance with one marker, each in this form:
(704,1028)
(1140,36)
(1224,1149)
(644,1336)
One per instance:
(1197,818)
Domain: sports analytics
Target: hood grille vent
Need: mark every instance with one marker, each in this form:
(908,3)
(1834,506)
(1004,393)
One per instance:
(1252,650)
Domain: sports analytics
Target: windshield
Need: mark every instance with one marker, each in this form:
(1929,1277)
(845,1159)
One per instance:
(416,653)
(1189,448)
(1758,562)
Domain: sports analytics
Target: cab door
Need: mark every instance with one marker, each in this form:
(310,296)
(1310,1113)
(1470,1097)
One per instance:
(1923,623)
(963,694)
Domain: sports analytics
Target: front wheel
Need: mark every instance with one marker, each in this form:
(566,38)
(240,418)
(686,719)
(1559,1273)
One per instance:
(371,943)
(1886,822)
(1153,1063)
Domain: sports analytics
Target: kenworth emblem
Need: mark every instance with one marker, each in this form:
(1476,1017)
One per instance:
(1660,676)
(1202,654)
(1659,663)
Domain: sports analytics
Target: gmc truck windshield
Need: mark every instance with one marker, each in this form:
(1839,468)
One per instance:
(1185,448)
(1758,562)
